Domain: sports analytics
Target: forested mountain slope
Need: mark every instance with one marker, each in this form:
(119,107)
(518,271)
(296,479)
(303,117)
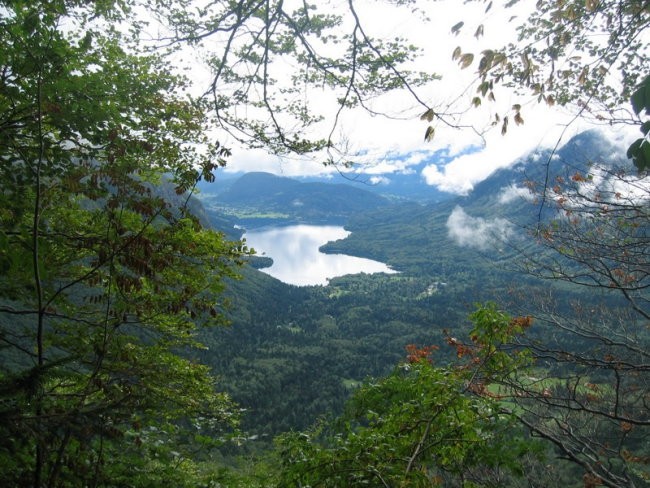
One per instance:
(293,353)
(261,198)
(420,238)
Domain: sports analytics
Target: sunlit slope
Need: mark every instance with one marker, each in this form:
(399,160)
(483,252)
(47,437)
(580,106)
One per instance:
(262,198)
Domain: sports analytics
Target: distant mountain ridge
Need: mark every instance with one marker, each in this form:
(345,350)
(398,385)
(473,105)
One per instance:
(408,184)
(417,237)
(259,197)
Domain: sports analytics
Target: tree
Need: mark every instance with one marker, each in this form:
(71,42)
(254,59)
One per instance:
(105,277)
(592,404)
(590,55)
(292,68)
(424,424)
(590,396)
(639,150)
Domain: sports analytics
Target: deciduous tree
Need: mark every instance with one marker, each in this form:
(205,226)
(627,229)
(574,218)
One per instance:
(589,55)
(425,424)
(590,396)
(104,278)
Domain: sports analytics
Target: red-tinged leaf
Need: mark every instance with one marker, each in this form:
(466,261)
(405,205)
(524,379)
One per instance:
(518,119)
(578,177)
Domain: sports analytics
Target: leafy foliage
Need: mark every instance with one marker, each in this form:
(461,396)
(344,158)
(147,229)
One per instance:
(586,54)
(105,276)
(639,151)
(593,402)
(423,425)
(265,57)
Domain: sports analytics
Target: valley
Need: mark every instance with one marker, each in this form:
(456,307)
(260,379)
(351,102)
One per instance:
(270,244)
(314,342)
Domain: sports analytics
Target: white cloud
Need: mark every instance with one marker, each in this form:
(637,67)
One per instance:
(260,160)
(388,145)
(605,188)
(476,232)
(514,192)
(463,172)
(379,180)
(380,138)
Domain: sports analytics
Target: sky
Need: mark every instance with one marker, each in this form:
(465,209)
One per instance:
(381,146)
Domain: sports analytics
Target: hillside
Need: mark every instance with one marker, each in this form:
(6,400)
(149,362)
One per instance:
(261,198)
(482,225)
(318,342)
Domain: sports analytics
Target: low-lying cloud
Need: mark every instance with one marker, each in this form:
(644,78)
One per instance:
(477,232)
(513,193)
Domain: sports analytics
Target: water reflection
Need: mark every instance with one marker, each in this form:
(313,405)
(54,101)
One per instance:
(297,260)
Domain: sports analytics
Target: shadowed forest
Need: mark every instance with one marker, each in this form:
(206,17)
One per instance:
(142,343)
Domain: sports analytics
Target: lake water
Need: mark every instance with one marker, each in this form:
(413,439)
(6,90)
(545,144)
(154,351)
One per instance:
(297,260)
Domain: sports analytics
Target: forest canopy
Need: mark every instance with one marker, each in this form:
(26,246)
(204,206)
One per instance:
(107,275)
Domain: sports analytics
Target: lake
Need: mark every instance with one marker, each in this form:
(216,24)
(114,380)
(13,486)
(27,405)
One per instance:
(297,260)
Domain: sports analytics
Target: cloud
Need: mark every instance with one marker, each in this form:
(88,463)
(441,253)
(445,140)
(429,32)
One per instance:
(514,192)
(379,180)
(378,140)
(496,151)
(605,188)
(458,157)
(476,232)
(260,160)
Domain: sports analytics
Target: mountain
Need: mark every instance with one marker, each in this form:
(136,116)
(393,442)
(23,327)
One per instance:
(575,156)
(485,224)
(399,186)
(294,353)
(407,184)
(262,198)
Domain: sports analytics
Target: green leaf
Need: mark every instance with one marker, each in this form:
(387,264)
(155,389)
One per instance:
(638,100)
(641,97)
(483,88)
(633,149)
(641,157)
(645,127)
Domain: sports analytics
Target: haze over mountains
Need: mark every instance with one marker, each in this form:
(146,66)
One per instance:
(312,202)
(259,198)
(316,342)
